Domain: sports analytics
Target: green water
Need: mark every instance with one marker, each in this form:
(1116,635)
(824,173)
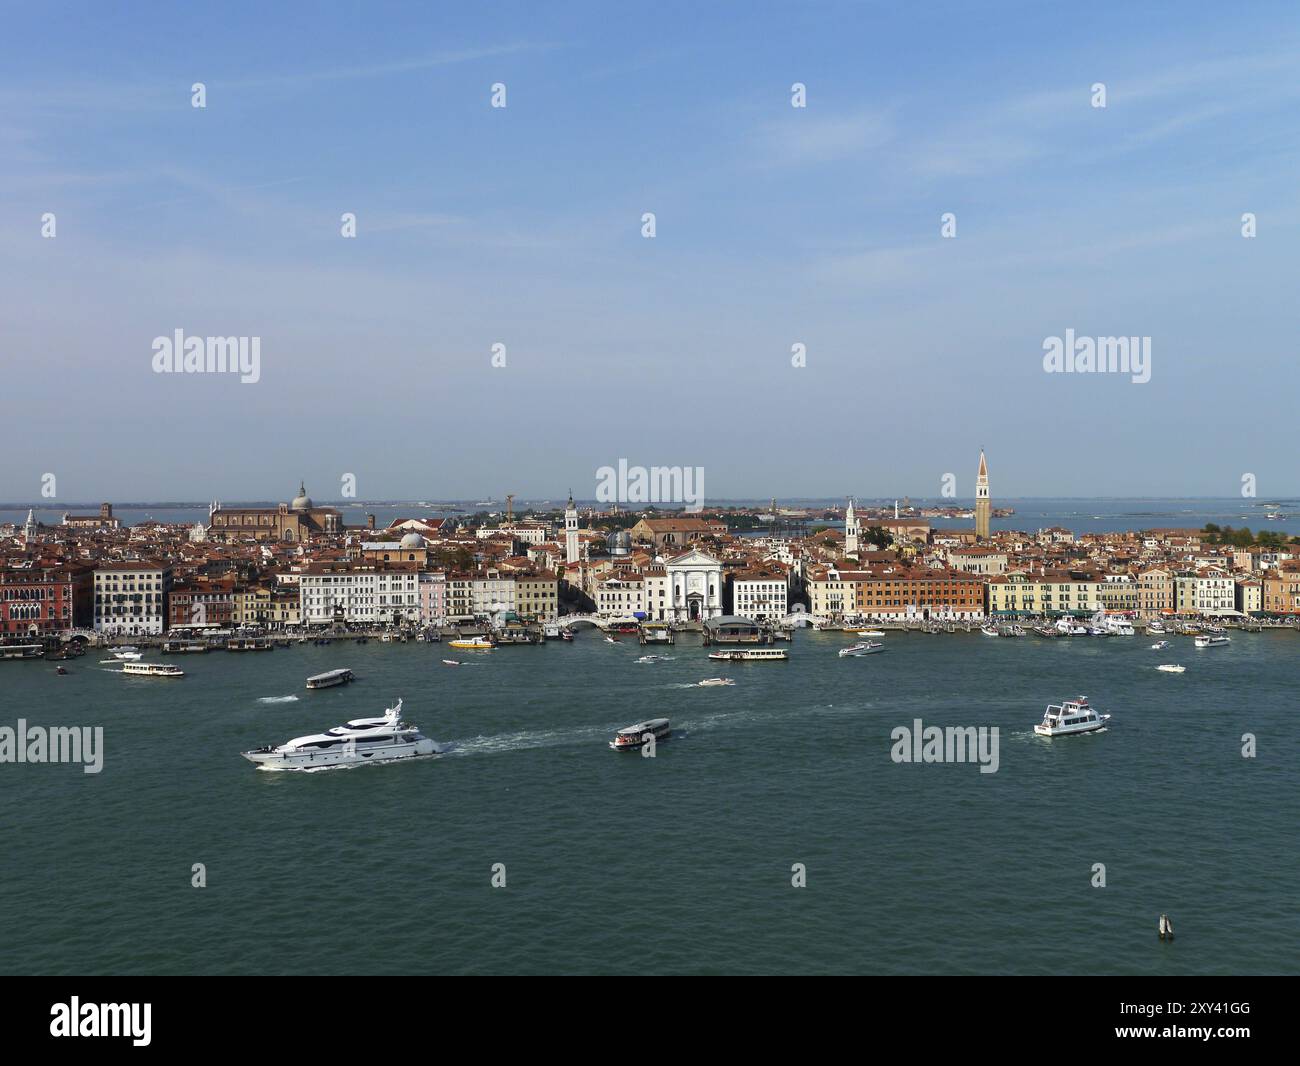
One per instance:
(680,863)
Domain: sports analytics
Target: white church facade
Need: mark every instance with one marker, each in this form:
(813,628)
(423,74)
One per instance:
(694,587)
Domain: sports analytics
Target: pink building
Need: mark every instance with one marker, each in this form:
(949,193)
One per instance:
(433,598)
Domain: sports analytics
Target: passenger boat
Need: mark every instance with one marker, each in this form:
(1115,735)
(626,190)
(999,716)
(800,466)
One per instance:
(634,736)
(330,679)
(21,651)
(184,647)
(1069,717)
(746,655)
(1212,640)
(472,644)
(863,647)
(713,682)
(1172,668)
(152,670)
(360,741)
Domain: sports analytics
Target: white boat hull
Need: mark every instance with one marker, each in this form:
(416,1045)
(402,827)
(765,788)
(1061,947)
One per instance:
(359,756)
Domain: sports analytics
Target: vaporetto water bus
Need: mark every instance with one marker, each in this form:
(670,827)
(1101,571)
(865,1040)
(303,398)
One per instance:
(330,679)
(360,741)
(632,737)
(745,655)
(152,670)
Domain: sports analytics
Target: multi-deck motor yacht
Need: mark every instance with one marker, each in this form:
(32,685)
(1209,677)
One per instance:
(1068,717)
(362,740)
(862,647)
(1212,640)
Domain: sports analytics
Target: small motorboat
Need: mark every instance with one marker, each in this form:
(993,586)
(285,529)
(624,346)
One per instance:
(1172,668)
(1160,645)
(713,682)
(989,631)
(60,670)
(1166,928)
(867,632)
(863,647)
(611,640)
(566,634)
(450,662)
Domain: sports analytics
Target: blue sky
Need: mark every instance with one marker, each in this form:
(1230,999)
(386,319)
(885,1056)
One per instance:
(522,226)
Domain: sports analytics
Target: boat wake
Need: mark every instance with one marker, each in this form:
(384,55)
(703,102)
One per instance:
(278,699)
(528,739)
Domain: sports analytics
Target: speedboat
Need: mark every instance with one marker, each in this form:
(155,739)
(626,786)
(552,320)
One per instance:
(566,634)
(867,632)
(649,658)
(1212,640)
(450,662)
(710,682)
(634,736)
(1171,668)
(361,741)
(863,647)
(1070,628)
(1160,645)
(1069,717)
(128,655)
(152,670)
(990,631)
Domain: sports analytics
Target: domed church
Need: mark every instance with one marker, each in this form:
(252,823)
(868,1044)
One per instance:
(292,522)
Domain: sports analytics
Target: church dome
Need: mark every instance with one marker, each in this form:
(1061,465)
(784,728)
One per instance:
(301,502)
(412,540)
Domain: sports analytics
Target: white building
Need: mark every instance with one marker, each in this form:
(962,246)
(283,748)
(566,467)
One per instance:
(694,587)
(328,594)
(621,596)
(762,597)
(492,591)
(1212,592)
(131,598)
(570,532)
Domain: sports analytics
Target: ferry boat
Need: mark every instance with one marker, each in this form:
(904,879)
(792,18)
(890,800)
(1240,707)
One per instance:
(152,670)
(1212,640)
(1172,668)
(745,655)
(360,741)
(472,644)
(863,647)
(713,682)
(184,647)
(1070,717)
(633,736)
(21,651)
(331,678)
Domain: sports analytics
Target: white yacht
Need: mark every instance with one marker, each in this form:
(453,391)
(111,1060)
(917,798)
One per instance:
(1212,640)
(362,740)
(1119,627)
(863,647)
(1069,717)
(152,670)
(631,737)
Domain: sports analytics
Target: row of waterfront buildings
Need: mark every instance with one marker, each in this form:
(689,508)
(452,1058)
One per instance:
(298,565)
